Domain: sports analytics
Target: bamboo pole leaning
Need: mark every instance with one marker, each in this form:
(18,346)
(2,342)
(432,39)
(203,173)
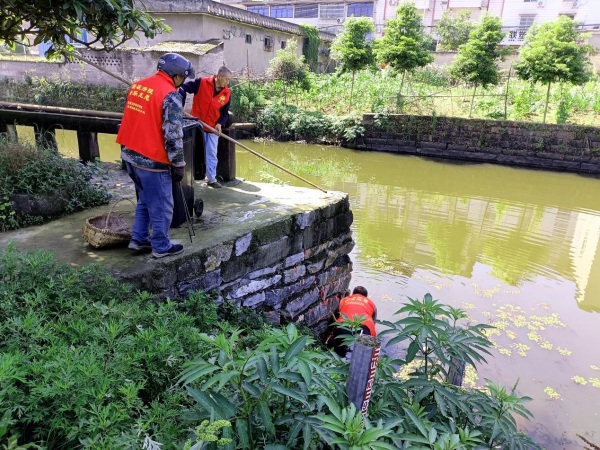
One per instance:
(264,158)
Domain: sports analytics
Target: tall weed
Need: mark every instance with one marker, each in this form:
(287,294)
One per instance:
(246,101)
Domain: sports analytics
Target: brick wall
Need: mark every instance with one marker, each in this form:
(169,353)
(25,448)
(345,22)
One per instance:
(569,148)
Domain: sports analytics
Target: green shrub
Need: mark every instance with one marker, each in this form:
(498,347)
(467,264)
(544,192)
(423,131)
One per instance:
(25,169)
(275,121)
(246,101)
(87,363)
(285,122)
(309,126)
(346,128)
(67,94)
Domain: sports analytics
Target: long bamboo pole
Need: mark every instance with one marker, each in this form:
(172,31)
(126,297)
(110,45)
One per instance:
(207,127)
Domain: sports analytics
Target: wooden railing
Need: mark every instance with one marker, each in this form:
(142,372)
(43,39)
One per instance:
(46,119)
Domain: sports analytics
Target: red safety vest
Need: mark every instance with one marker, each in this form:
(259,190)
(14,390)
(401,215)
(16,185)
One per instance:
(206,106)
(358,305)
(141,127)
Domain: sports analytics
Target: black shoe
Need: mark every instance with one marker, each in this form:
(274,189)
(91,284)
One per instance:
(175,249)
(139,246)
(215,184)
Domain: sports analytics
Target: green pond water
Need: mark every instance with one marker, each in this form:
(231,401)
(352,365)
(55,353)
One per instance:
(517,249)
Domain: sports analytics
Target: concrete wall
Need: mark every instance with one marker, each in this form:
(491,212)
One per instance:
(293,269)
(553,147)
(130,65)
(238,55)
(206,19)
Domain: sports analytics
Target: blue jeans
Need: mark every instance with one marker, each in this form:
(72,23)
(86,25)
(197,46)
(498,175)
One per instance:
(211,141)
(154,207)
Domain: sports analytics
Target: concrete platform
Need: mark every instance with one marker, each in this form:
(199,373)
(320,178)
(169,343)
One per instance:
(278,248)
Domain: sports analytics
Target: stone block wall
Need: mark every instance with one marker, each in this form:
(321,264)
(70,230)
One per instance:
(295,269)
(569,148)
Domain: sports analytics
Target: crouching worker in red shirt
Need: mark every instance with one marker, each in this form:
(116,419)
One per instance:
(352,308)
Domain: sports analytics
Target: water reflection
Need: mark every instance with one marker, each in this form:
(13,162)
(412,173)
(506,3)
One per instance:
(428,214)
(515,248)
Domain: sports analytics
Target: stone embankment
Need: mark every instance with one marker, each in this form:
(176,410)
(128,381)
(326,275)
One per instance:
(569,148)
(278,249)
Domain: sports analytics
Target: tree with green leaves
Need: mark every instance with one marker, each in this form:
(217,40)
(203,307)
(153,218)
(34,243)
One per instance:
(555,52)
(477,60)
(109,23)
(453,30)
(352,49)
(404,46)
(287,67)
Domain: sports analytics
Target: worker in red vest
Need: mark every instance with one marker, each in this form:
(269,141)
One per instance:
(210,105)
(151,138)
(352,307)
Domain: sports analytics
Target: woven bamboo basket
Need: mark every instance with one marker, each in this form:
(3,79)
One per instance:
(107,230)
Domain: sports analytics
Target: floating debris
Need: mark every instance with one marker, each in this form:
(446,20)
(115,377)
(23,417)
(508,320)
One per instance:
(521,349)
(595,382)
(564,351)
(552,393)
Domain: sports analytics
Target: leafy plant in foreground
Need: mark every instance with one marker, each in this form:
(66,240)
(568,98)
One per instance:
(350,430)
(284,394)
(268,393)
(437,413)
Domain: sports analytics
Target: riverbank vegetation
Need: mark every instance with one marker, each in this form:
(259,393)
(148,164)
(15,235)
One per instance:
(66,94)
(393,75)
(85,362)
(37,183)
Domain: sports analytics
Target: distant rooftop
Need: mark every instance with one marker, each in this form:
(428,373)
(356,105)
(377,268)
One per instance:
(213,8)
(196,48)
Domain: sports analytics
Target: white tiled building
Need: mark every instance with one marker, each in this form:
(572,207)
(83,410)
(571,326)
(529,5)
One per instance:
(516,15)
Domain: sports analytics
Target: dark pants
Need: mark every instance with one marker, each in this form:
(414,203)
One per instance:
(336,335)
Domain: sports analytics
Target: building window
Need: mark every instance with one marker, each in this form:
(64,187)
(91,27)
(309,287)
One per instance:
(306,11)
(526,20)
(570,16)
(263,10)
(530,1)
(331,11)
(524,23)
(283,45)
(268,44)
(360,10)
(282,11)
(248,39)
